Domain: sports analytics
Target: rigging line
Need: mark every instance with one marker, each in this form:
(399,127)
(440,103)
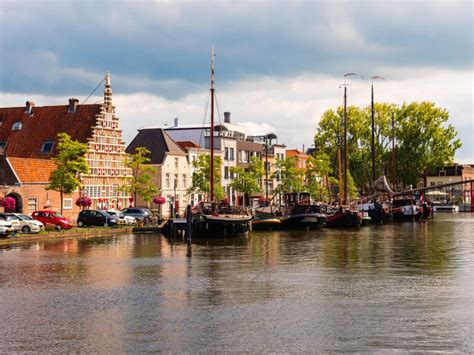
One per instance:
(93,91)
(206,107)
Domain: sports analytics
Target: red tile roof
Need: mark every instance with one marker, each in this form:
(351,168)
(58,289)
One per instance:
(32,170)
(295,153)
(187,144)
(45,124)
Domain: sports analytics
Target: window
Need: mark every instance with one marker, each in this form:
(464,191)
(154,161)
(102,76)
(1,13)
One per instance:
(167,181)
(442,173)
(32,204)
(226,154)
(2,147)
(231,152)
(47,146)
(432,183)
(67,203)
(184,181)
(176,163)
(226,172)
(17,126)
(175,185)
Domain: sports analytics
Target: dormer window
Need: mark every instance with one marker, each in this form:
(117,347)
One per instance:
(2,147)
(47,147)
(17,126)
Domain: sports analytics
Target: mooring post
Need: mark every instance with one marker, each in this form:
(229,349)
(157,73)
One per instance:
(189,229)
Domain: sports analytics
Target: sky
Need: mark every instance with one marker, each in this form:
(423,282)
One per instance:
(279,64)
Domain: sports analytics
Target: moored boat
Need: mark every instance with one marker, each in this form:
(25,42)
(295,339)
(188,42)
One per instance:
(406,209)
(210,219)
(300,214)
(266,223)
(343,218)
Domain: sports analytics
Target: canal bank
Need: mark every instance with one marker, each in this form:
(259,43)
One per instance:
(51,236)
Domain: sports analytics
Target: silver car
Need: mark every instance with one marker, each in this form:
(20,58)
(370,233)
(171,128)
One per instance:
(6,227)
(23,223)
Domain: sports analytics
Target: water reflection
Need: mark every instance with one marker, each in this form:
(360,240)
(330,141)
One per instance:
(394,287)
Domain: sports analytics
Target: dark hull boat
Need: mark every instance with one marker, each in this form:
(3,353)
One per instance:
(300,214)
(344,219)
(220,226)
(406,209)
(380,214)
(303,221)
(407,213)
(266,224)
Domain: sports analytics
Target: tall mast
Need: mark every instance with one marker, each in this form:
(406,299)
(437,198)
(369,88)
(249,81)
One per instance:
(373,135)
(212,124)
(373,126)
(345,145)
(394,168)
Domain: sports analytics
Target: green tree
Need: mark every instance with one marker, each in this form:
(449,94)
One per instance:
(202,176)
(141,183)
(291,179)
(425,140)
(246,180)
(317,176)
(70,163)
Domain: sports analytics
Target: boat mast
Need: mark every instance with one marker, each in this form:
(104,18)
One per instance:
(373,127)
(345,145)
(212,125)
(373,134)
(394,168)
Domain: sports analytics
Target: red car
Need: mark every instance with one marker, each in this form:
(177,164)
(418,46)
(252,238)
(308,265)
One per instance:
(52,218)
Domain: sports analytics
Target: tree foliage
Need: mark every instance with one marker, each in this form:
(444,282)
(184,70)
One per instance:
(70,163)
(317,176)
(202,176)
(424,140)
(141,183)
(246,180)
(291,178)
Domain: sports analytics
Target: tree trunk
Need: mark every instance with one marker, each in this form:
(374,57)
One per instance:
(61,193)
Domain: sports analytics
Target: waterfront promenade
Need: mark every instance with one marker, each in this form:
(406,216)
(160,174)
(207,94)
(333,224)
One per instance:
(397,287)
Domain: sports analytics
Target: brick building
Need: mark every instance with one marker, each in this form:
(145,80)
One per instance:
(28,140)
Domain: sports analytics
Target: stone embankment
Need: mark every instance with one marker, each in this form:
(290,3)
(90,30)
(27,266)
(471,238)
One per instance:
(64,234)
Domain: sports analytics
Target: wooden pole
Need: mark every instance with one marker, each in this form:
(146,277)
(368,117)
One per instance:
(212,126)
(345,146)
(373,135)
(394,168)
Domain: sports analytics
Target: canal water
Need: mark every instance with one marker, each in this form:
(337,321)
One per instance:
(399,287)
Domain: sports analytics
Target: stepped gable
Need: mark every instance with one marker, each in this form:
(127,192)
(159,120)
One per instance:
(29,170)
(43,124)
(158,142)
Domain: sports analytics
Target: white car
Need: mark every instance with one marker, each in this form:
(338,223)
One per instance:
(23,223)
(123,220)
(6,227)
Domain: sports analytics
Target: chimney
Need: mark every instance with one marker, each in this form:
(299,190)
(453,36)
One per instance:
(73,102)
(176,122)
(226,117)
(29,107)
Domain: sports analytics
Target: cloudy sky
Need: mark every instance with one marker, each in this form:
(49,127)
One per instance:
(278,65)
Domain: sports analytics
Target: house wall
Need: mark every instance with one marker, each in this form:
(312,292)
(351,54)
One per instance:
(36,197)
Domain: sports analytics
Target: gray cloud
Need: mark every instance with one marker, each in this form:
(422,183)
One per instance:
(58,47)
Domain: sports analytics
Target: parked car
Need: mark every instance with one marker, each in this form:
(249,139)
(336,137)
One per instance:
(124,220)
(140,214)
(53,218)
(6,227)
(23,223)
(96,218)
